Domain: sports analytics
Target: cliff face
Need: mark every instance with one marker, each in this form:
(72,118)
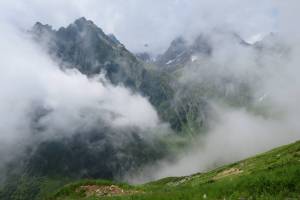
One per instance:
(85,46)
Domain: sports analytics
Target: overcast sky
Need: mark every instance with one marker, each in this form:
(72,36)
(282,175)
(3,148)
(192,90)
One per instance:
(153,22)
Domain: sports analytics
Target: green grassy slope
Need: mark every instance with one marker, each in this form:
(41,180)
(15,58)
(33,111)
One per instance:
(272,175)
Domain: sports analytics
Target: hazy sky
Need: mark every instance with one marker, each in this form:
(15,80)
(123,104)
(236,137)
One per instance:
(153,22)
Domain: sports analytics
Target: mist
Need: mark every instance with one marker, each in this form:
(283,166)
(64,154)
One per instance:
(41,101)
(67,101)
(167,19)
(238,131)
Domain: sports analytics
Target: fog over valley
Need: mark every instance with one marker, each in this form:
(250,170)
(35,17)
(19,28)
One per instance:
(137,91)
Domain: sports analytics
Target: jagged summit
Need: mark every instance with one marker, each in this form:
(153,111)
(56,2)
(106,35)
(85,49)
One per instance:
(181,51)
(85,27)
(82,24)
(85,46)
(40,29)
(39,25)
(82,20)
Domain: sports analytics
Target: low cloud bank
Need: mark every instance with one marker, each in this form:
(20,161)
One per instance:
(270,68)
(40,101)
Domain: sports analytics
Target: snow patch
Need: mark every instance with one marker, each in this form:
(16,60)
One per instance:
(194,58)
(170,61)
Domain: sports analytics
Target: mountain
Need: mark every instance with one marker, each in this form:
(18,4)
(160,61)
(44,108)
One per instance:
(86,47)
(91,152)
(197,79)
(179,84)
(182,52)
(272,175)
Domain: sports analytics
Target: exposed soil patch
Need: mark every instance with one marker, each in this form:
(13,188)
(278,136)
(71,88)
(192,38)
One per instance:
(228,172)
(105,190)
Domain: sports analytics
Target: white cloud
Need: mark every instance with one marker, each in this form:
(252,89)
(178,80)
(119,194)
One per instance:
(237,133)
(32,84)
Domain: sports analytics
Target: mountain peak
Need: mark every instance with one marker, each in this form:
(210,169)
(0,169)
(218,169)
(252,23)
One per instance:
(39,27)
(84,45)
(82,21)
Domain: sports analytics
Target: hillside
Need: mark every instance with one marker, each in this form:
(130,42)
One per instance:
(272,175)
(149,100)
